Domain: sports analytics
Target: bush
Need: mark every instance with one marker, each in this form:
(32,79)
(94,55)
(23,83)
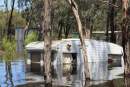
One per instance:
(9,47)
(31,37)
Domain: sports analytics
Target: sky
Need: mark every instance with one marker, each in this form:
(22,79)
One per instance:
(2,6)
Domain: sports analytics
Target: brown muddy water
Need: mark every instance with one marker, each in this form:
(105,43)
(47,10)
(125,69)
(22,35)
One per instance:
(18,74)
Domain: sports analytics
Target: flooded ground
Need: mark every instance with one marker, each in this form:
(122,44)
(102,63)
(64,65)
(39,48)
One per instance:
(18,74)
(12,73)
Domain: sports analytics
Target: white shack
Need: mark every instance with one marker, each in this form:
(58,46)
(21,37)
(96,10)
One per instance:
(69,51)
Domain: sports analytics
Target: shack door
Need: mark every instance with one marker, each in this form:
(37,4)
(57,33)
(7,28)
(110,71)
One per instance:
(69,58)
(69,63)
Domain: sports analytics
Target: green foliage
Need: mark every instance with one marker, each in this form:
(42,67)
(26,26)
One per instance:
(95,11)
(2,20)
(31,11)
(17,21)
(31,37)
(9,47)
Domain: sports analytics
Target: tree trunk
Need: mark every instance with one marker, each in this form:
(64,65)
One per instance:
(125,45)
(9,31)
(60,26)
(108,22)
(112,21)
(74,8)
(127,82)
(67,30)
(46,26)
(125,39)
(87,28)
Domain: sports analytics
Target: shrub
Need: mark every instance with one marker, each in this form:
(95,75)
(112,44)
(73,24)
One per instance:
(31,37)
(9,47)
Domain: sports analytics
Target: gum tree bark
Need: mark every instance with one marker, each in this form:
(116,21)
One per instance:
(46,27)
(125,37)
(74,8)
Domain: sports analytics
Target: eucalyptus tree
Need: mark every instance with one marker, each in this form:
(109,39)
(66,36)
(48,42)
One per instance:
(126,36)
(92,15)
(46,27)
(113,19)
(74,8)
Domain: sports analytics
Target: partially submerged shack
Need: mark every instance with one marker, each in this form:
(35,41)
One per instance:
(69,51)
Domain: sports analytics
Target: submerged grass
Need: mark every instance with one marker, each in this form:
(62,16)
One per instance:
(8,48)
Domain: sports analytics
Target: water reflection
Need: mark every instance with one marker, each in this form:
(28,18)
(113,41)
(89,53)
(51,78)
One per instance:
(12,73)
(127,82)
(99,70)
(100,73)
(9,74)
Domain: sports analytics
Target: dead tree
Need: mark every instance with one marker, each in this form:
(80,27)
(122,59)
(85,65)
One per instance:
(74,8)
(46,27)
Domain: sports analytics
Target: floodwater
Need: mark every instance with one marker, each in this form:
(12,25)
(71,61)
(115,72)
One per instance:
(18,74)
(12,73)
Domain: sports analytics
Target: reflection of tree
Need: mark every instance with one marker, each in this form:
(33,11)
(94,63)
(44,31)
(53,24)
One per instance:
(9,74)
(111,83)
(87,83)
